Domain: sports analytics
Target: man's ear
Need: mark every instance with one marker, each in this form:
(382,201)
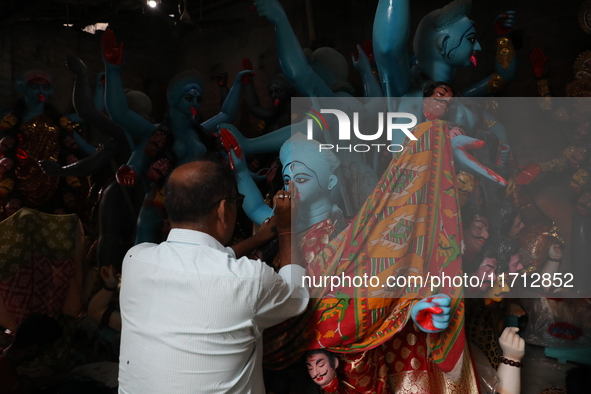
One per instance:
(223,212)
(336,362)
(442,43)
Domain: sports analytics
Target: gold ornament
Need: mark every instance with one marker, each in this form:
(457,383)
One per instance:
(8,122)
(505,52)
(585,16)
(583,63)
(561,114)
(579,88)
(543,88)
(495,83)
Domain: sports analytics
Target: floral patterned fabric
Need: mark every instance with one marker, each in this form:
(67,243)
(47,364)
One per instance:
(39,271)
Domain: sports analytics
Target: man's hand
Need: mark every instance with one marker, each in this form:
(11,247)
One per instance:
(268,230)
(286,208)
(109,277)
(432,313)
(513,345)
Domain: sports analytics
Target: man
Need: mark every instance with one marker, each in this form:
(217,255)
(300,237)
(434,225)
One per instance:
(192,313)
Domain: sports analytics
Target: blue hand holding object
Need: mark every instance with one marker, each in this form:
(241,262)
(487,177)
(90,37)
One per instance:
(432,313)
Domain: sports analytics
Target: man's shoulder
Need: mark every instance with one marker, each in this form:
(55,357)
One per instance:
(141,247)
(254,267)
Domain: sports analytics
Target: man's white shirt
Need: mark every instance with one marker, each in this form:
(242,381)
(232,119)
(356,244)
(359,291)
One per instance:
(193,316)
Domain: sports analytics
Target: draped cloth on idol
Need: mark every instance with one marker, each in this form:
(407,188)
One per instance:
(409,226)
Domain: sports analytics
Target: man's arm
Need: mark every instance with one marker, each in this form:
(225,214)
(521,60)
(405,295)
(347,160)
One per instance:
(266,233)
(283,296)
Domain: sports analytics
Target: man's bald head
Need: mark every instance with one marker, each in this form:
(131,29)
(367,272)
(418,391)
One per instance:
(193,189)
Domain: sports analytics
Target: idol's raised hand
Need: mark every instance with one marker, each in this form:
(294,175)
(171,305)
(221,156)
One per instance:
(112,52)
(461,145)
(270,9)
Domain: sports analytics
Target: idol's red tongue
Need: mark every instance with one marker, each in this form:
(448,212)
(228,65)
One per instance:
(276,102)
(41,97)
(193,111)
(473,59)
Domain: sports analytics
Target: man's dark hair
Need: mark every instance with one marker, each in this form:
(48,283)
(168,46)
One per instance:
(331,356)
(507,247)
(191,199)
(430,87)
(469,213)
(37,329)
(507,214)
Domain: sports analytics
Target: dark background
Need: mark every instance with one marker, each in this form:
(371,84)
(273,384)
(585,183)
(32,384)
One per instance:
(32,35)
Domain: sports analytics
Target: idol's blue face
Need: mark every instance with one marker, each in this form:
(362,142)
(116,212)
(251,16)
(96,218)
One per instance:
(38,90)
(190,101)
(308,181)
(462,44)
